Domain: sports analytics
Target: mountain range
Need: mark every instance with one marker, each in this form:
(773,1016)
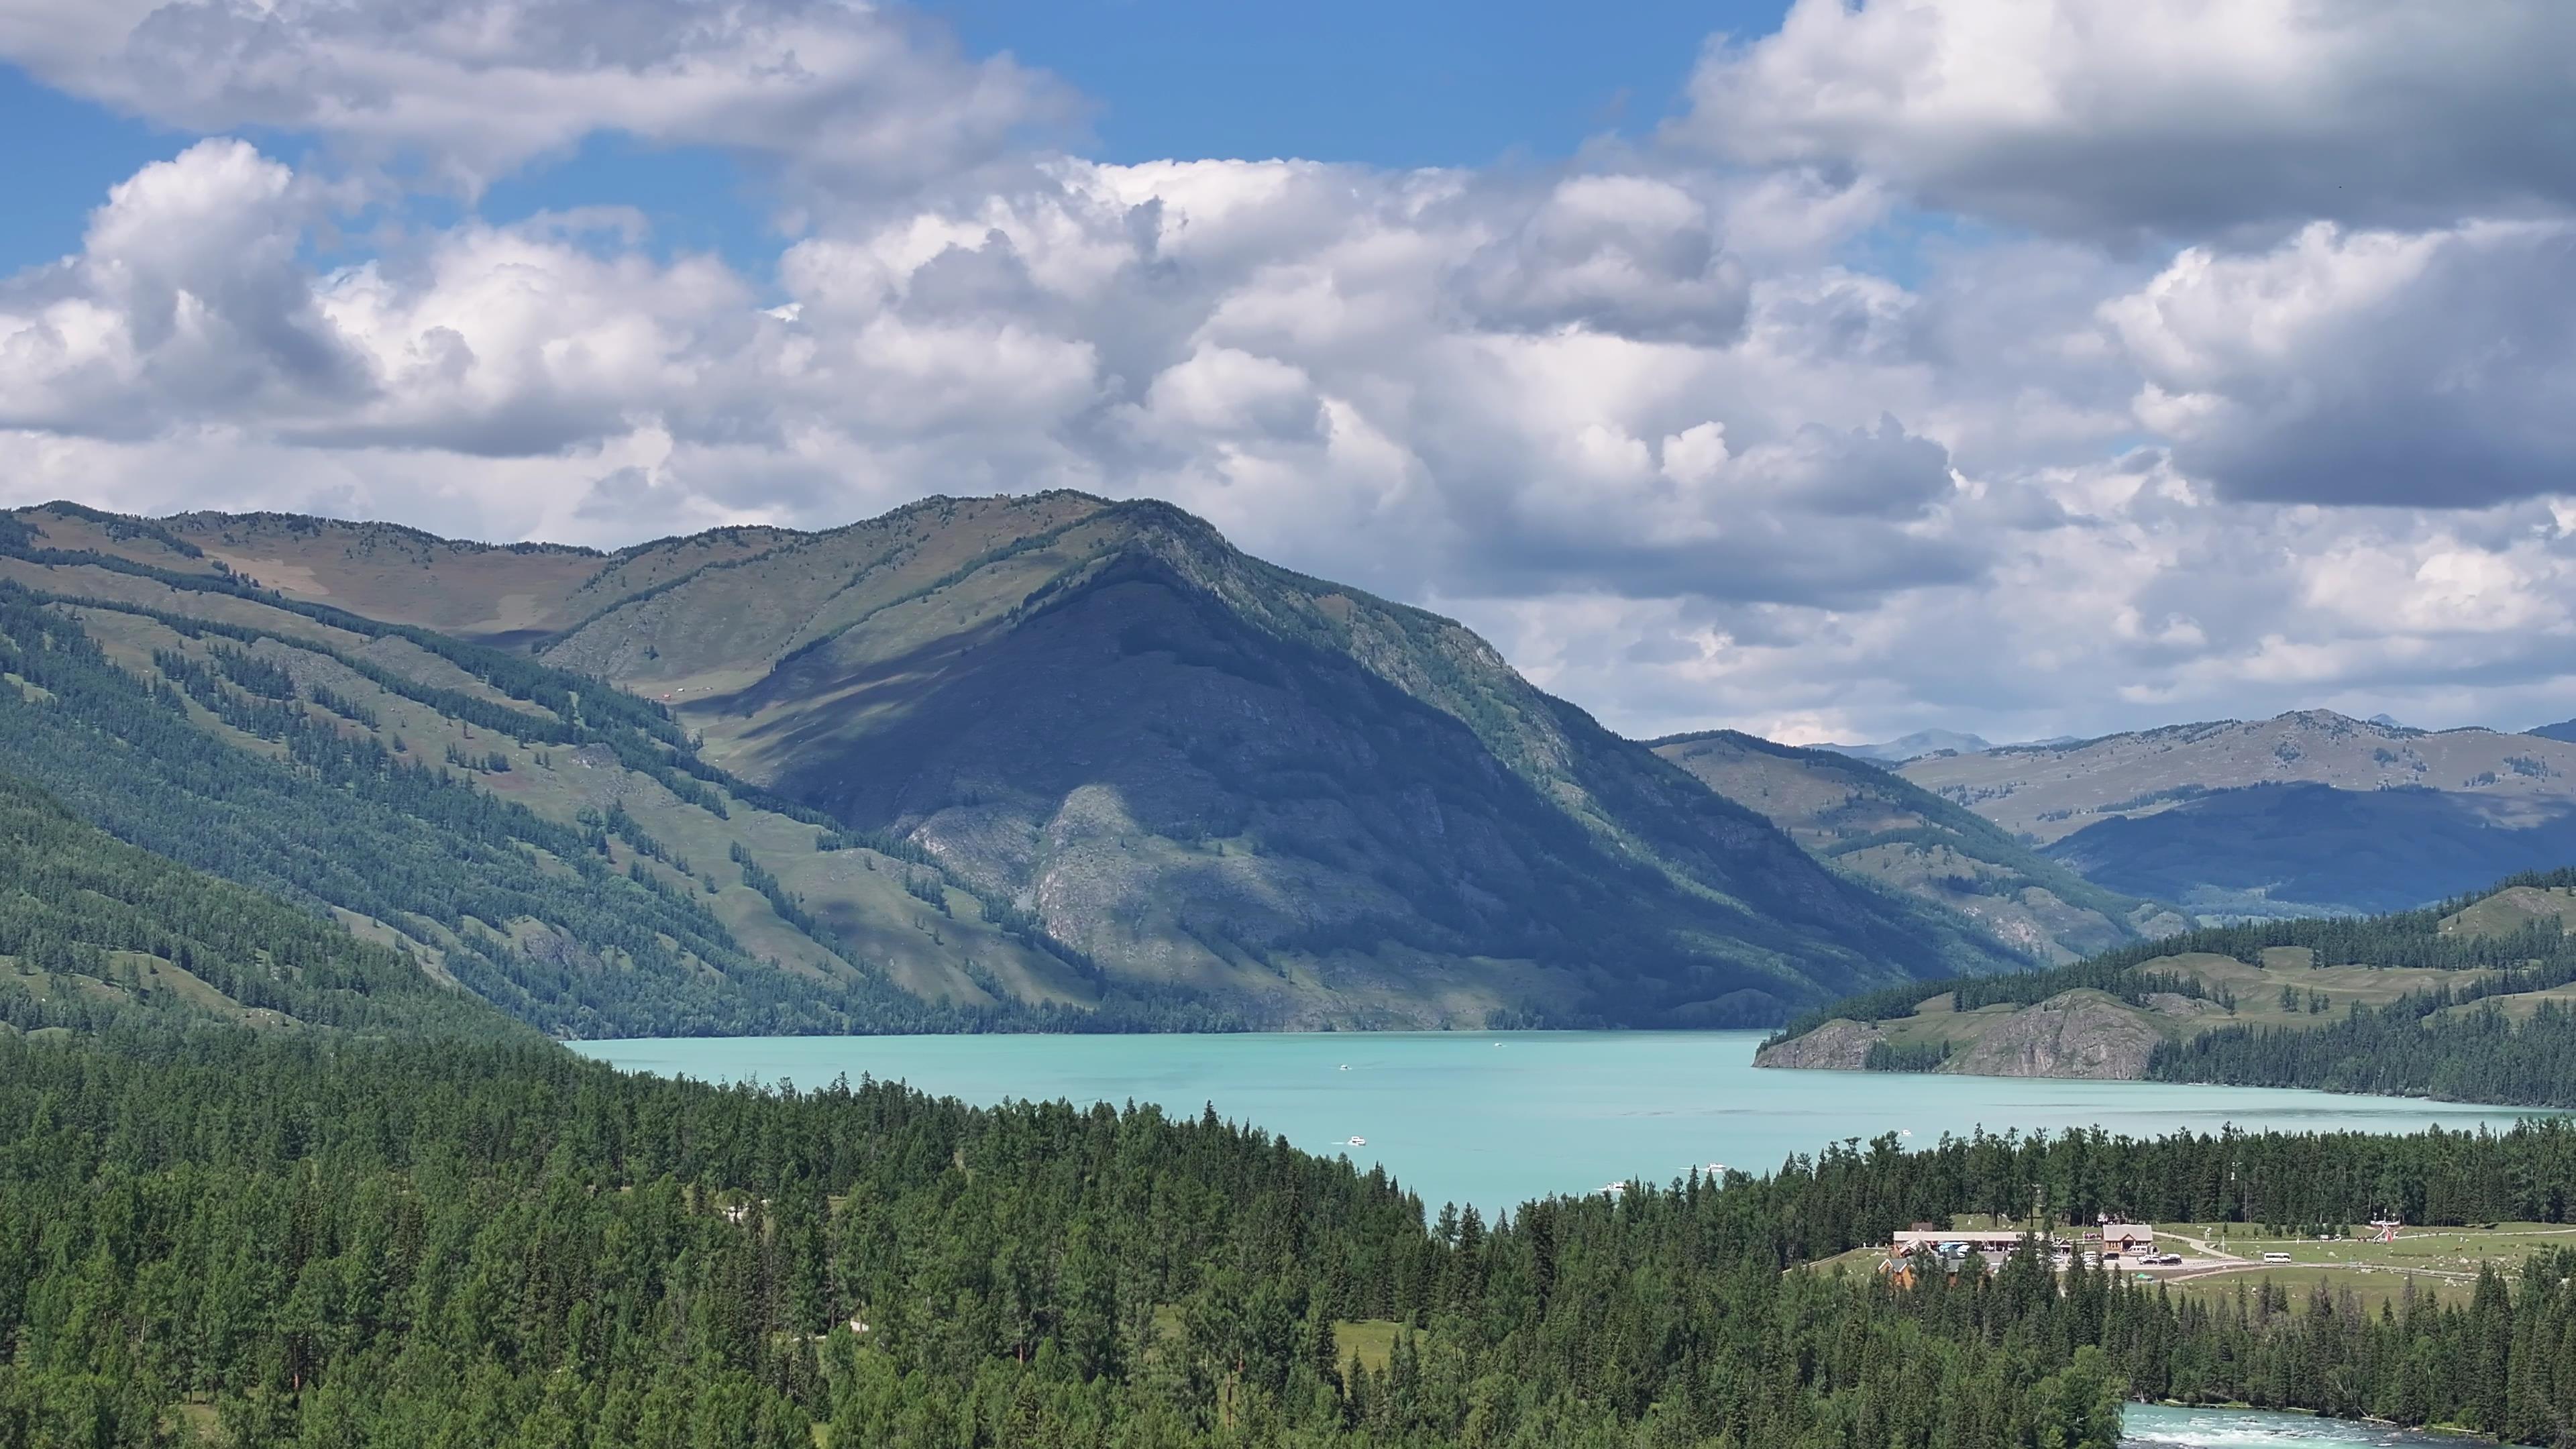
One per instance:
(1062,761)
(1048,760)
(2309,812)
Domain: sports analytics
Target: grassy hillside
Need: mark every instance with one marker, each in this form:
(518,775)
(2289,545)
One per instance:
(2468,1000)
(95,932)
(1064,757)
(1884,828)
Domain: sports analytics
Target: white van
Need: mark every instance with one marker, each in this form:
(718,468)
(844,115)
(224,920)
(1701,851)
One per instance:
(2276,1257)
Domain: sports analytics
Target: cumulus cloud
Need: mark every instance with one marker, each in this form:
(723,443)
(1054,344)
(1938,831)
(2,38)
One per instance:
(1489,385)
(2157,604)
(2173,117)
(1632,255)
(840,93)
(2431,368)
(187,301)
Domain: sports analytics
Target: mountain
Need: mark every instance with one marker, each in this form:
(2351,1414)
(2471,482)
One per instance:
(2308,849)
(95,932)
(1047,761)
(2564,731)
(2470,1000)
(1876,825)
(1913,747)
(2309,812)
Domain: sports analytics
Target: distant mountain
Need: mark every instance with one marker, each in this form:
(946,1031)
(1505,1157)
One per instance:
(2312,811)
(1913,747)
(1863,820)
(2564,731)
(1037,761)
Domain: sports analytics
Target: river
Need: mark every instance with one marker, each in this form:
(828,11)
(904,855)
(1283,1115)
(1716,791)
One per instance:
(2152,1426)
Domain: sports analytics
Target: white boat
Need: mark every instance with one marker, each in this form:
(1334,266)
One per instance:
(1355,1142)
(1613,1189)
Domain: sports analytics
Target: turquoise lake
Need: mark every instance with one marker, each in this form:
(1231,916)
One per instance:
(1498,1118)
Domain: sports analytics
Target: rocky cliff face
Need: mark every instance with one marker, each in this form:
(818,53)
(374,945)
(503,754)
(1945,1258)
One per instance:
(2082,1034)
(1837,1046)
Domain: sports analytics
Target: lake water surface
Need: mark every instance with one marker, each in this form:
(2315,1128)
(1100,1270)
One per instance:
(1498,1118)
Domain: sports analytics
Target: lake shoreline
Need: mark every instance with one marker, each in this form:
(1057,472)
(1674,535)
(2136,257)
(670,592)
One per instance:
(1500,1118)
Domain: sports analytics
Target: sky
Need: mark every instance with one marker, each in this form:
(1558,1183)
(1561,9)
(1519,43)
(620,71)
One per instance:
(1830,369)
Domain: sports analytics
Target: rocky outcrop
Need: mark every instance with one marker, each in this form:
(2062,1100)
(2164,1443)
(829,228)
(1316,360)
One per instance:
(2186,1008)
(2086,1034)
(1841,1045)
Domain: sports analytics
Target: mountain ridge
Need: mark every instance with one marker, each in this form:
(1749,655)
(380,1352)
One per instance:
(2307,811)
(1543,868)
(1871,822)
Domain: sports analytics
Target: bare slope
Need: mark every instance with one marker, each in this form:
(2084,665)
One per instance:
(1877,825)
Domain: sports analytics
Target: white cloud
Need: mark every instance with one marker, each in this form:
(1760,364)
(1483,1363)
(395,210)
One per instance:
(2167,116)
(2433,368)
(187,301)
(838,92)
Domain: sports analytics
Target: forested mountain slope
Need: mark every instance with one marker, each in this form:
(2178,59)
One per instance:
(1875,824)
(95,932)
(553,845)
(1074,756)
(2471,1000)
(2307,813)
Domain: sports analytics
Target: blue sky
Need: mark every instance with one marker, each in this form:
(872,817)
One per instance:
(63,156)
(1393,85)
(1388,84)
